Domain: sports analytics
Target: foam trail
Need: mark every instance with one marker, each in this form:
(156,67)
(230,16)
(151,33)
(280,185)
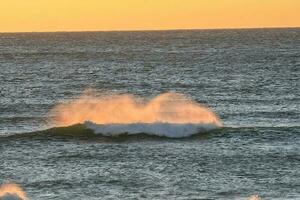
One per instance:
(170,108)
(12,192)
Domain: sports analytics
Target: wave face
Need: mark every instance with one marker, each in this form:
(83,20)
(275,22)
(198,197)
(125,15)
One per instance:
(127,109)
(156,129)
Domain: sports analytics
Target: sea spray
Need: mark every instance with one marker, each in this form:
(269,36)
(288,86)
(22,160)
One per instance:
(12,192)
(170,108)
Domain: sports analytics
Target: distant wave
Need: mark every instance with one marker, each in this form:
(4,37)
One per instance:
(120,131)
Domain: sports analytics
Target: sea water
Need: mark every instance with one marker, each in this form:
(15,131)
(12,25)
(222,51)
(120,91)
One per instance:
(248,78)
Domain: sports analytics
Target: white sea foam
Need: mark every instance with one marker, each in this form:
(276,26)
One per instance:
(158,129)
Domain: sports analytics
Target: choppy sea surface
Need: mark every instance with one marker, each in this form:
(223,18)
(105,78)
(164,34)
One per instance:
(249,78)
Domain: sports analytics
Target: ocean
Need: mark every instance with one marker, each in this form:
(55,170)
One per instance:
(247,81)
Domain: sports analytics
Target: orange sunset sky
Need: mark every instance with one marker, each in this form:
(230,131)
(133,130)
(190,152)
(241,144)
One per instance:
(102,15)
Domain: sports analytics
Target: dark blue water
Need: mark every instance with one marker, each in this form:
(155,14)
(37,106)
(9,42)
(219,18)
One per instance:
(250,78)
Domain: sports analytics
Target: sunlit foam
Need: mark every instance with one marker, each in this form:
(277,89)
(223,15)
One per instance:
(170,108)
(254,197)
(12,192)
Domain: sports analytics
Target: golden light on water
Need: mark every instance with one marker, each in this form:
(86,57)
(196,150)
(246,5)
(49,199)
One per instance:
(128,109)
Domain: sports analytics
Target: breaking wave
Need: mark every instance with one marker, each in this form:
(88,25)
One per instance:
(12,192)
(169,115)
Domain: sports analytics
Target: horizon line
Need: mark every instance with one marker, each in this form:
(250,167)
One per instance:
(156,30)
